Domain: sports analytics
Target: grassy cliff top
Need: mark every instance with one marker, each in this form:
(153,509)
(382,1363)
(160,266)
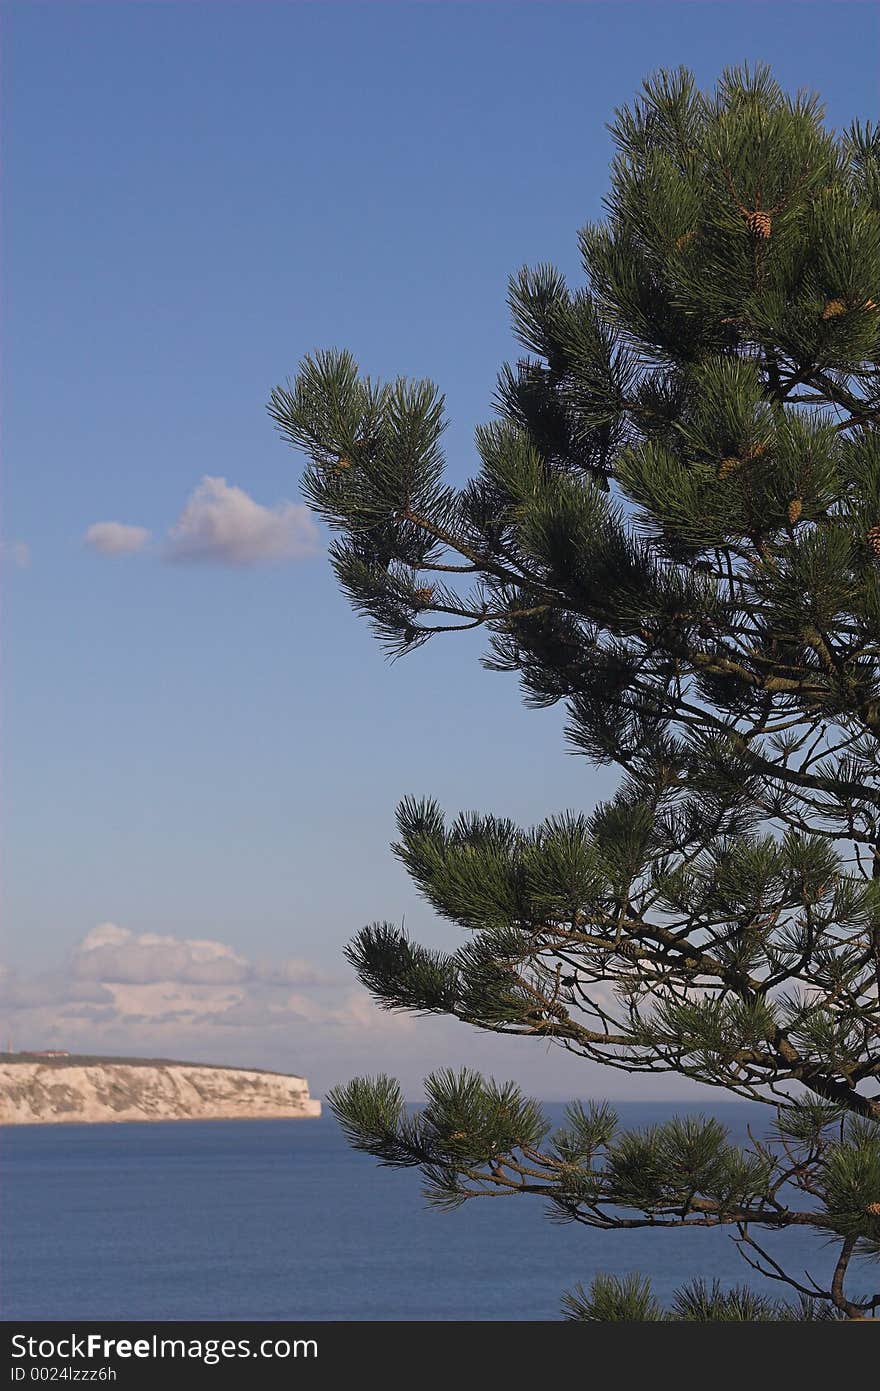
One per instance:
(93,1060)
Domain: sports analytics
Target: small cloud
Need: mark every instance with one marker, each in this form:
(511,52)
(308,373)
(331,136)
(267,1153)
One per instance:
(223,525)
(359,1012)
(105,935)
(17,553)
(116,538)
(292,971)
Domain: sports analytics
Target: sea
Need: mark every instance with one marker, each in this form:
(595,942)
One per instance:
(280,1219)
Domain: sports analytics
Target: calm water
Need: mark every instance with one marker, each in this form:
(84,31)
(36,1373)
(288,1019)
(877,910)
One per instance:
(281,1220)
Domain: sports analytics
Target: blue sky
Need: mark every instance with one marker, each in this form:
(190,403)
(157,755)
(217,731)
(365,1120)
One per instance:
(199,749)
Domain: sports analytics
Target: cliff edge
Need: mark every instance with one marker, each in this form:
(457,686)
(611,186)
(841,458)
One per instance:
(40,1091)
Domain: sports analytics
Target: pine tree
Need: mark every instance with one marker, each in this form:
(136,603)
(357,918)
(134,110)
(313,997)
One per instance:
(674,530)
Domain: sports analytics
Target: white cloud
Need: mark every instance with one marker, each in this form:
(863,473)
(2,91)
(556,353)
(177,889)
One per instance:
(18,553)
(223,525)
(115,955)
(118,956)
(148,987)
(116,538)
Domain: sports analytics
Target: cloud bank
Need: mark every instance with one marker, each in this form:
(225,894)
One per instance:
(198,999)
(117,956)
(160,994)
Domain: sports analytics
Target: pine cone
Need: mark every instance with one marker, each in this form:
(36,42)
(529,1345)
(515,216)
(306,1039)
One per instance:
(833,309)
(728,466)
(423,596)
(759,223)
(684,240)
(343,461)
(874,1209)
(795,508)
(873,539)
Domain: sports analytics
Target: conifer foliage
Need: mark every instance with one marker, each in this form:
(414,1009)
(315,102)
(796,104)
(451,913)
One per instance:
(674,530)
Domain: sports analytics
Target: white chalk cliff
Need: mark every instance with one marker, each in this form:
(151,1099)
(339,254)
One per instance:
(35,1092)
